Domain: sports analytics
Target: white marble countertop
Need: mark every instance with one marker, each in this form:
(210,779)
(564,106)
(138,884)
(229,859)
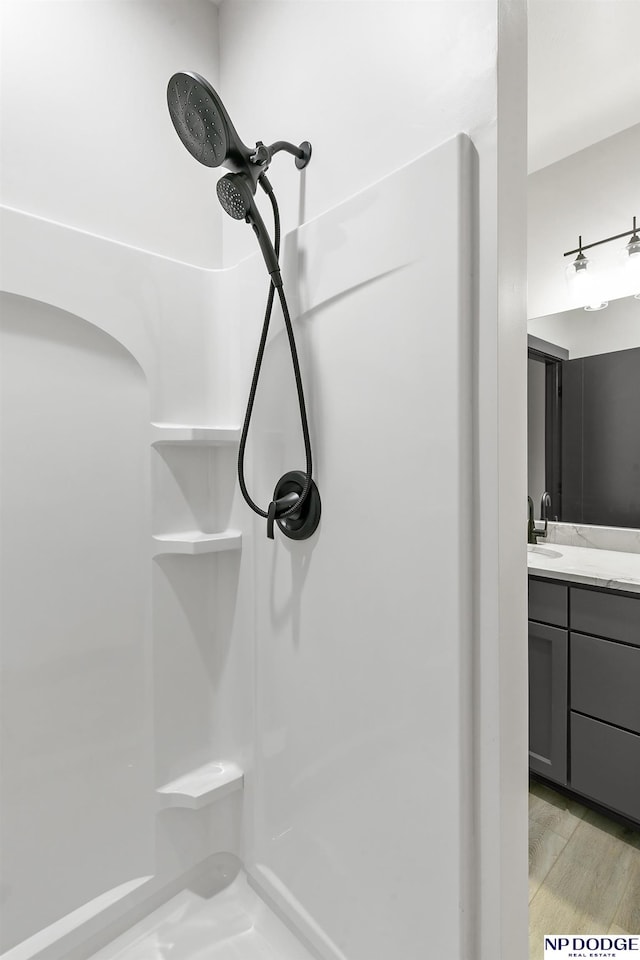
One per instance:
(596,568)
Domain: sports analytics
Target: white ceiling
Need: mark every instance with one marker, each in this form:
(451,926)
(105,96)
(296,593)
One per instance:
(584,74)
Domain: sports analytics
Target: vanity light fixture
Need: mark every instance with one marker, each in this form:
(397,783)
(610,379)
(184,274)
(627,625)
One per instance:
(631,258)
(582,276)
(582,279)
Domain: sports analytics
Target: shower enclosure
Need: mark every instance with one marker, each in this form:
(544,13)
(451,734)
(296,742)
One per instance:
(219,744)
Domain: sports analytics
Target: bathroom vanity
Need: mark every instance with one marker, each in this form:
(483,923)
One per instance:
(584,673)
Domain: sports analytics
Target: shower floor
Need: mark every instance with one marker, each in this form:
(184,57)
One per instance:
(235,924)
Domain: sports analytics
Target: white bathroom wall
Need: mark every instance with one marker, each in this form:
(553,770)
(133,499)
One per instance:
(362,641)
(373,85)
(426,71)
(105,712)
(583,74)
(594,193)
(180,684)
(86,137)
(156,307)
(584,333)
(77,771)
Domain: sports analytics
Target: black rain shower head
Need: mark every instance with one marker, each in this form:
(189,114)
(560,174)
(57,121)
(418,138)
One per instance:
(204,126)
(206,130)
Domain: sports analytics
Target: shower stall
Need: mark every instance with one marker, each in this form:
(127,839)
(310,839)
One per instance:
(291,732)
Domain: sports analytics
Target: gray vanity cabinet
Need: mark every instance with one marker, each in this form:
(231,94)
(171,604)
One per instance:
(604,683)
(584,692)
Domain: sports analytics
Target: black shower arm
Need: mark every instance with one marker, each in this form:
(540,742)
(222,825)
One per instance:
(263,154)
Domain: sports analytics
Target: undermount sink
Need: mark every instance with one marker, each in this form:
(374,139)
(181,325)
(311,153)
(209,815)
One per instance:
(544,551)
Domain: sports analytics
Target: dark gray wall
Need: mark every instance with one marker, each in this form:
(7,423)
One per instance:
(601,439)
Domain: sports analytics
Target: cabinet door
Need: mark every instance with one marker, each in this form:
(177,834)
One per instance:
(548,655)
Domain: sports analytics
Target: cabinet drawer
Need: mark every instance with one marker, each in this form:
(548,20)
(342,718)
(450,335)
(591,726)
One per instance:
(605,764)
(548,602)
(606,615)
(605,680)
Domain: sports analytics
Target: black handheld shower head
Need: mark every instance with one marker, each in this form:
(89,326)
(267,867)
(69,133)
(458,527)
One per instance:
(235,194)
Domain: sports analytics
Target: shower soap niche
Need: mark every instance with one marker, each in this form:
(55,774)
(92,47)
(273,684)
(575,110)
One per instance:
(197,436)
(200,787)
(195,542)
(193,486)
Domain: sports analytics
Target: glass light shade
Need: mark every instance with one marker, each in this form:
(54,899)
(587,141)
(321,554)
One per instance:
(583,283)
(631,263)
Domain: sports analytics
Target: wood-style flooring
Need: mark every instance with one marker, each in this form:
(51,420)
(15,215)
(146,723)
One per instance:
(584,870)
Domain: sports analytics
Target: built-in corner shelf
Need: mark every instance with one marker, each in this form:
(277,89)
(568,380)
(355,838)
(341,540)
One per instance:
(195,542)
(197,436)
(200,787)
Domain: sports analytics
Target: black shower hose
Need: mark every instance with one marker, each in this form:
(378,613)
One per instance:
(266,186)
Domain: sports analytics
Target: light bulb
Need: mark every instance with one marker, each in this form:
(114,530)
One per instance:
(630,262)
(631,259)
(583,282)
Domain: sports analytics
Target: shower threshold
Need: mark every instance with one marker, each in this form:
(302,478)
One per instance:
(233,924)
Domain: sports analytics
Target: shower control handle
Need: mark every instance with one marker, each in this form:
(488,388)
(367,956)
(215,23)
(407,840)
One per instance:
(271,516)
(285,503)
(302,522)
(280,506)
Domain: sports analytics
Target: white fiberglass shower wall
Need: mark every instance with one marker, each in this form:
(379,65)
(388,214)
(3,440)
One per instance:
(324,715)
